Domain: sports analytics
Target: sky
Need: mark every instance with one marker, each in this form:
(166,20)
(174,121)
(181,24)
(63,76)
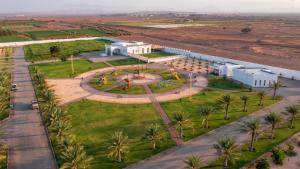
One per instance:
(121,6)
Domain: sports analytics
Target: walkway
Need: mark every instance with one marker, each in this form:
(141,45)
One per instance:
(203,145)
(24,131)
(164,116)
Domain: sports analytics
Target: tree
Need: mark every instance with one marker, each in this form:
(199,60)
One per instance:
(205,111)
(262,164)
(273,119)
(54,51)
(227,149)
(275,86)
(261,96)
(153,134)
(118,145)
(246,30)
(245,100)
(75,158)
(226,100)
(192,162)
(293,111)
(181,122)
(252,127)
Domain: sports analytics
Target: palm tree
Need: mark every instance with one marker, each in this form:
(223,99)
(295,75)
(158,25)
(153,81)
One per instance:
(181,122)
(226,100)
(252,126)
(261,96)
(275,86)
(245,100)
(192,162)
(227,150)
(273,119)
(206,111)
(153,134)
(61,130)
(118,145)
(293,110)
(75,158)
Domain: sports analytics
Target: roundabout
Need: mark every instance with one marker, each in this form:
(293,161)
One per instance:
(134,84)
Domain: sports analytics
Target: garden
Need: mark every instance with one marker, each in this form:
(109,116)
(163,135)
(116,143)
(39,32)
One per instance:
(157,54)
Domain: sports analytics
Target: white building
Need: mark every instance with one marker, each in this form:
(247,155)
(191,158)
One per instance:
(127,48)
(224,69)
(254,77)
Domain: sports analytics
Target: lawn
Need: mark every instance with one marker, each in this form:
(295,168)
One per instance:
(4,39)
(38,52)
(169,83)
(93,122)
(157,54)
(129,61)
(47,33)
(3,156)
(210,97)
(64,70)
(223,83)
(88,32)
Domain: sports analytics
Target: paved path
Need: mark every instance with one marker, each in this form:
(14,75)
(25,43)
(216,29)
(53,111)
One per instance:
(24,132)
(203,145)
(167,121)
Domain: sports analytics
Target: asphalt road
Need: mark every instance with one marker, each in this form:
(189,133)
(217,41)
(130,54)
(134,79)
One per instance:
(24,131)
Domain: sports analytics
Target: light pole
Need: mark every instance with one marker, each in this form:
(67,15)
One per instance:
(191,84)
(72,64)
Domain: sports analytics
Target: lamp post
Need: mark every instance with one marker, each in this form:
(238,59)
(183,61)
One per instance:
(72,64)
(191,84)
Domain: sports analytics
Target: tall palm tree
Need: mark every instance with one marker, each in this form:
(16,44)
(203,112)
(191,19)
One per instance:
(252,127)
(261,96)
(245,100)
(205,111)
(293,111)
(118,145)
(192,162)
(75,158)
(153,134)
(226,100)
(227,150)
(273,119)
(275,86)
(181,122)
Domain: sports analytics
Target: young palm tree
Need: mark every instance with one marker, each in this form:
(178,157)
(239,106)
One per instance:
(293,111)
(275,86)
(61,130)
(192,162)
(227,150)
(252,127)
(181,122)
(261,96)
(153,134)
(245,100)
(205,112)
(226,100)
(118,145)
(273,119)
(75,158)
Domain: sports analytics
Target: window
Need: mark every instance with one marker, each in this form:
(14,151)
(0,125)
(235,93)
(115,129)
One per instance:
(143,50)
(259,82)
(265,82)
(148,50)
(255,83)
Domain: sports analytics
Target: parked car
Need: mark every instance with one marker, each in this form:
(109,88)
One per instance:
(34,104)
(13,87)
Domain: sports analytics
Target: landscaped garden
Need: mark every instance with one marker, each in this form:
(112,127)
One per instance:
(94,122)
(129,61)
(38,52)
(157,54)
(3,156)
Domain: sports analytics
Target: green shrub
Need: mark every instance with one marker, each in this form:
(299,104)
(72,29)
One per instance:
(262,164)
(278,156)
(290,151)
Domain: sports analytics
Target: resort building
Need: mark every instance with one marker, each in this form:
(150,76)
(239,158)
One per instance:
(127,48)
(254,77)
(224,69)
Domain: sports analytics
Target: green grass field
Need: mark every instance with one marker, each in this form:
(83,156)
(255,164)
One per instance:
(38,52)
(47,33)
(221,83)
(157,54)
(4,39)
(88,32)
(93,122)
(129,61)
(3,156)
(64,70)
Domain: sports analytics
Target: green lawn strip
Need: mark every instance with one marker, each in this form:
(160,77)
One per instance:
(216,119)
(129,61)
(47,33)
(157,54)
(93,122)
(88,31)
(133,90)
(3,156)
(263,145)
(38,52)
(4,39)
(64,70)
(223,83)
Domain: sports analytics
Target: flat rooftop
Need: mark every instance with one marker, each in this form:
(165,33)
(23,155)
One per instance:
(257,71)
(129,44)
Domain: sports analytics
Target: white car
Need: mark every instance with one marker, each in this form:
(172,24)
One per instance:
(13,87)
(34,104)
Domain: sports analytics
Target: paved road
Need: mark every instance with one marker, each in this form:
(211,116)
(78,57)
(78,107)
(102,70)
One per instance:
(24,132)
(203,145)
